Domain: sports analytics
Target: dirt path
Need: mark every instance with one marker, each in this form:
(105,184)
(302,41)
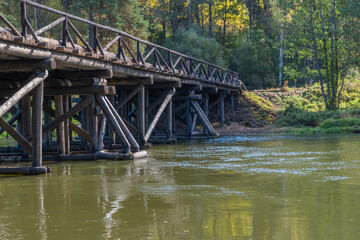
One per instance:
(236,129)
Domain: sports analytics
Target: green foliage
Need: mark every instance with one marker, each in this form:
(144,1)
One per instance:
(254,62)
(295,117)
(192,42)
(308,110)
(342,122)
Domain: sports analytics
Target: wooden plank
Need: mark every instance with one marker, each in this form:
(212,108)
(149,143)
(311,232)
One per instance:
(18,137)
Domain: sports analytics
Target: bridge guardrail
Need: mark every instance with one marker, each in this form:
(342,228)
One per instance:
(183,65)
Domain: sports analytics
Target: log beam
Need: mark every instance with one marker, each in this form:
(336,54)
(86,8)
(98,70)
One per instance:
(76,75)
(27,65)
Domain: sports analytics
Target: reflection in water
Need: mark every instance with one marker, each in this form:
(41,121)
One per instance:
(252,187)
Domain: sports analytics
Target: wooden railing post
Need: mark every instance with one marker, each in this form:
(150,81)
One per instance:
(23,19)
(64,32)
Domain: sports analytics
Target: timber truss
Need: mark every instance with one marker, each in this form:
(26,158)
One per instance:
(76,99)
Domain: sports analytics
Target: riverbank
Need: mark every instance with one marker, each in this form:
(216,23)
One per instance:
(294,110)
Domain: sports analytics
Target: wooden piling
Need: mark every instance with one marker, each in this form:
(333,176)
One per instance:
(47,120)
(60,134)
(37,104)
(66,125)
(113,122)
(134,145)
(141,115)
(222,109)
(26,116)
(169,121)
(111,133)
(100,146)
(93,124)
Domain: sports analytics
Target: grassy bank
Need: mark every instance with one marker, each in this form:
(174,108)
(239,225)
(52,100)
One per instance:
(302,110)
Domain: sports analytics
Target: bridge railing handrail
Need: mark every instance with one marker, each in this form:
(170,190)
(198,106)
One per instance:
(189,69)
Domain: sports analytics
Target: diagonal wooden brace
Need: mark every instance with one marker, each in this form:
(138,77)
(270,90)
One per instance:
(158,114)
(73,127)
(77,108)
(17,136)
(33,81)
(128,97)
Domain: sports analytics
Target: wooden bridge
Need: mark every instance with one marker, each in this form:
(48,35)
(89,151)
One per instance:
(79,98)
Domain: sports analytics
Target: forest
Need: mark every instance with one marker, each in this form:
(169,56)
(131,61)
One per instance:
(268,42)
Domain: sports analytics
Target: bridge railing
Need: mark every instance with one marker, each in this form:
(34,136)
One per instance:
(157,58)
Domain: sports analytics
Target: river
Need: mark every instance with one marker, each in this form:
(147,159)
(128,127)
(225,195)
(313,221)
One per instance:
(246,187)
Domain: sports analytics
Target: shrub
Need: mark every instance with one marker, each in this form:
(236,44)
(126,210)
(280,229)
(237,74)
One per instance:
(344,122)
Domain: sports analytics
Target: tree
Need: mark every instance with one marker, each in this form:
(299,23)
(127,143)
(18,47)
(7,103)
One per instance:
(192,42)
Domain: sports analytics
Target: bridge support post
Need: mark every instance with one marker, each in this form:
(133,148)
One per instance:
(47,120)
(188,119)
(141,116)
(93,124)
(37,125)
(26,116)
(67,131)
(222,109)
(206,104)
(169,122)
(124,108)
(147,104)
(60,131)
(111,133)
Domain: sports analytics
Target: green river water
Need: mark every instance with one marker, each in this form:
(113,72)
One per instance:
(247,187)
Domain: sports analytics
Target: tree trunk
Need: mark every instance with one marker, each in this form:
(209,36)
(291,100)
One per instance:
(210,19)
(281,64)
